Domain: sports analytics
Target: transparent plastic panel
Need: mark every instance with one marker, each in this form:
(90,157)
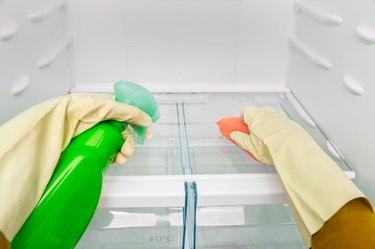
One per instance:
(211,153)
(247,227)
(187,140)
(134,228)
(160,155)
(190,210)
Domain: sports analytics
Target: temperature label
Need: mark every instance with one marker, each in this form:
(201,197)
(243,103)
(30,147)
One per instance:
(161,238)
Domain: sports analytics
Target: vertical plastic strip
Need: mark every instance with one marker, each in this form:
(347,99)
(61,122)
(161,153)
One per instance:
(184,148)
(190,210)
(184,218)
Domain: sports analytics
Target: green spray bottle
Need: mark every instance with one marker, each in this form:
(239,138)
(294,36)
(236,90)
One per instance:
(71,196)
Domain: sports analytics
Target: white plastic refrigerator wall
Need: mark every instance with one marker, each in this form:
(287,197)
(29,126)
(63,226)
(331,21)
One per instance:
(203,59)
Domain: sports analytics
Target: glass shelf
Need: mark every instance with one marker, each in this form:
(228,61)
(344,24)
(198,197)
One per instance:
(211,153)
(240,202)
(186,140)
(159,156)
(213,156)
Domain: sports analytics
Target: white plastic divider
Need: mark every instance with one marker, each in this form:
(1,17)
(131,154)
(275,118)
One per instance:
(8,30)
(50,57)
(366,33)
(214,190)
(311,55)
(353,85)
(318,14)
(42,14)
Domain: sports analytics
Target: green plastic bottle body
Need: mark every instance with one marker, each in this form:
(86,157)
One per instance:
(72,195)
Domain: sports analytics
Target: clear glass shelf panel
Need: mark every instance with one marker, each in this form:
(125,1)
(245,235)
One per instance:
(211,153)
(159,156)
(202,146)
(213,156)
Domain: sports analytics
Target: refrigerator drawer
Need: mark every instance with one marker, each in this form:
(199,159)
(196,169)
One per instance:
(242,227)
(131,228)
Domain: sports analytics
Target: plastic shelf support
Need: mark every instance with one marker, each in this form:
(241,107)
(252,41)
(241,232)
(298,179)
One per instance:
(367,34)
(8,30)
(316,13)
(311,55)
(353,85)
(38,16)
(50,57)
(21,83)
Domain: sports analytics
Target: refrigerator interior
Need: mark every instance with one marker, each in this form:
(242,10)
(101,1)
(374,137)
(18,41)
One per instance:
(203,60)
(240,203)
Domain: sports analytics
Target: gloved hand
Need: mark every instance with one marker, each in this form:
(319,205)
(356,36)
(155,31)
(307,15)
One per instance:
(253,142)
(315,186)
(31,144)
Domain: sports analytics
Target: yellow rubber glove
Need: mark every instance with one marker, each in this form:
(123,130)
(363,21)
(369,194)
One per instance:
(315,186)
(31,144)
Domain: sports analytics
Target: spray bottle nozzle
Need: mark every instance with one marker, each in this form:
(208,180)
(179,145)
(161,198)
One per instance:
(138,96)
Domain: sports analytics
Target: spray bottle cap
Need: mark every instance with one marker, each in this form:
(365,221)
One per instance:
(138,96)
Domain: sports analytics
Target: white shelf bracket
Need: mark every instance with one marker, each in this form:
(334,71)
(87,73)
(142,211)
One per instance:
(21,83)
(353,85)
(8,30)
(42,14)
(316,13)
(311,55)
(367,34)
(51,56)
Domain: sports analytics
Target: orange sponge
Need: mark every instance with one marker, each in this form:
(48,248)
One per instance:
(229,124)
